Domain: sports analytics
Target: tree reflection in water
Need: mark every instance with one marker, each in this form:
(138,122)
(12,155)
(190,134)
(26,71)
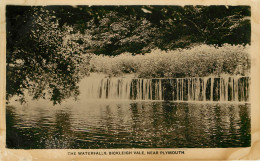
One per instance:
(129,125)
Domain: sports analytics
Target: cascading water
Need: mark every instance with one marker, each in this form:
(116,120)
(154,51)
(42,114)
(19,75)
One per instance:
(235,88)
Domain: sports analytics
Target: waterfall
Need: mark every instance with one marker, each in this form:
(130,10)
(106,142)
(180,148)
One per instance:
(222,89)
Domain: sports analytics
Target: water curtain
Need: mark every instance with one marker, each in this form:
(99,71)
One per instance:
(176,89)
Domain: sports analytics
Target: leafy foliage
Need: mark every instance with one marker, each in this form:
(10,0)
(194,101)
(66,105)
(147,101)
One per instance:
(139,29)
(45,60)
(198,61)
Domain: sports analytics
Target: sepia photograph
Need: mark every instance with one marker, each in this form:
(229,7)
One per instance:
(128,76)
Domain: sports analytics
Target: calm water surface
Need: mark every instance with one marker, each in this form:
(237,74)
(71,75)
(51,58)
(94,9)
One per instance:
(128,125)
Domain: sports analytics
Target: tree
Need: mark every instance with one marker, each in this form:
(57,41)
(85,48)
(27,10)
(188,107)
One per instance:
(114,34)
(45,59)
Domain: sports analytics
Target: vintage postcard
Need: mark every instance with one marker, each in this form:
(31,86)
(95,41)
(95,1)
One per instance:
(130,80)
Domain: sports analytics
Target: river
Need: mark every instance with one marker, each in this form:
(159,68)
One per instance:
(151,120)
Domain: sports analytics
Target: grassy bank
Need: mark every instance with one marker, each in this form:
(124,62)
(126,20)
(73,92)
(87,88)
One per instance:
(199,61)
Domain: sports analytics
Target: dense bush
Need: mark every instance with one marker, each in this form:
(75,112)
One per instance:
(198,61)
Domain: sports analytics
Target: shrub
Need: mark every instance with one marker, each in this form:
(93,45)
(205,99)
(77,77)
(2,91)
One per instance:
(198,61)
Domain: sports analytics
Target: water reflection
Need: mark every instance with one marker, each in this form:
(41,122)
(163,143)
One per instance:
(129,125)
